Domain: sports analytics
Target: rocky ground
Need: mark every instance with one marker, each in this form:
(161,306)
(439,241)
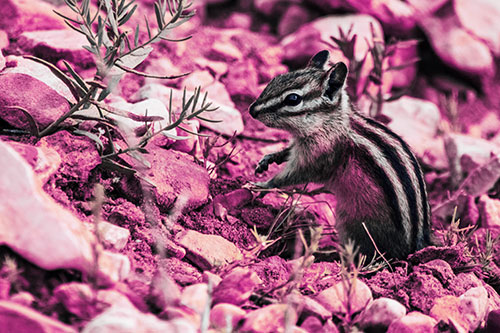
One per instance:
(172,238)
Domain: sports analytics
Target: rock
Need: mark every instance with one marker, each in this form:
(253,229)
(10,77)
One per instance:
(34,225)
(238,20)
(404,77)
(489,210)
(395,15)
(57,44)
(312,324)
(213,279)
(223,314)
(123,317)
(315,36)
(32,86)
(23,298)
(112,268)
(131,117)
(426,7)
(79,157)
(77,298)
(437,268)
(447,309)
(236,287)
(217,68)
(18,318)
(196,297)
(223,51)
(208,251)
(335,299)
(456,47)
(2,58)
(294,17)
(269,319)
(163,290)
(23,16)
(493,322)
(474,17)
(415,120)
(43,160)
(380,313)
(230,118)
(191,145)
(188,191)
(269,7)
(231,202)
(242,81)
(473,305)
(414,322)
(307,306)
(483,178)
(113,236)
(181,271)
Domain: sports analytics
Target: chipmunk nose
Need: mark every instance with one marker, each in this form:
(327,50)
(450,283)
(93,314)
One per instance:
(252,110)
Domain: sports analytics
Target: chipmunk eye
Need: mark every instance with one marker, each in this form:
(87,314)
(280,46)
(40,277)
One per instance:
(292,99)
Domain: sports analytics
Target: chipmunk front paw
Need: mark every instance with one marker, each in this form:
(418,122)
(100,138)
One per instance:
(263,164)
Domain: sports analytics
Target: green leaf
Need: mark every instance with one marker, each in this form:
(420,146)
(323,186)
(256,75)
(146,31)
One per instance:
(173,136)
(159,17)
(136,35)
(109,164)
(34,131)
(124,20)
(75,75)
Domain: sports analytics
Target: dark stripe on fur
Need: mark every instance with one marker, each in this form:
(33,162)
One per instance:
(402,173)
(371,168)
(418,172)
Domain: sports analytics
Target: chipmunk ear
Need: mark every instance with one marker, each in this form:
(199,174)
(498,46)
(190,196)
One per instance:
(335,79)
(319,60)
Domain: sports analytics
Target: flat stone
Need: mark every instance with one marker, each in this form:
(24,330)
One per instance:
(269,319)
(196,297)
(57,44)
(335,298)
(45,161)
(489,210)
(478,15)
(473,306)
(18,318)
(456,47)
(224,312)
(381,313)
(188,191)
(124,317)
(112,235)
(236,287)
(414,322)
(32,86)
(43,232)
(230,118)
(208,251)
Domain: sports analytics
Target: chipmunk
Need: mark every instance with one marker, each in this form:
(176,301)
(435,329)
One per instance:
(372,172)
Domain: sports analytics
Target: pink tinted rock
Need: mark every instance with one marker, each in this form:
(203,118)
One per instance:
(33,87)
(404,77)
(312,324)
(490,211)
(456,47)
(4,42)
(213,279)
(196,79)
(269,319)
(124,317)
(22,15)
(236,287)
(414,322)
(235,199)
(416,120)
(473,306)
(182,272)
(381,313)
(217,68)
(426,7)
(269,7)
(242,80)
(21,319)
(163,290)
(33,224)
(23,298)
(307,306)
(293,18)
(196,297)
(112,268)
(336,298)
(77,298)
(479,150)
(44,160)
(208,251)
(475,17)
(223,51)
(231,120)
(192,187)
(239,20)
(395,15)
(2,58)
(311,37)
(493,322)
(191,145)
(112,235)
(447,309)
(223,313)
(57,44)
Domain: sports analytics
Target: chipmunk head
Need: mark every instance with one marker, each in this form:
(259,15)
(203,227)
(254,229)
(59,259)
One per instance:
(301,101)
